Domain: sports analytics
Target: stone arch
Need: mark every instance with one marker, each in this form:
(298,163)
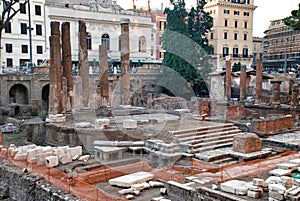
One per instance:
(18,93)
(45,97)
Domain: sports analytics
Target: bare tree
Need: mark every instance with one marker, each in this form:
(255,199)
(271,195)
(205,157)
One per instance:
(9,10)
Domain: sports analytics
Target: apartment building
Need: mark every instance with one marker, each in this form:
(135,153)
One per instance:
(102,20)
(16,48)
(281,47)
(231,35)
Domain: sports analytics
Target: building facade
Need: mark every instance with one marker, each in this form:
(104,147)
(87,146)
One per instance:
(281,47)
(231,35)
(15,37)
(102,20)
(258,49)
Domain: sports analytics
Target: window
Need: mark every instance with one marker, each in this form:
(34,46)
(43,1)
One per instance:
(39,61)
(226,23)
(105,41)
(162,25)
(23,8)
(23,28)
(211,35)
(245,36)
(24,48)
(245,25)
(89,40)
(226,11)
(161,55)
(9,62)
(225,35)
(245,52)
(254,57)
(247,1)
(225,51)
(236,12)
(39,49)
(8,27)
(235,23)
(38,10)
(235,36)
(8,48)
(142,44)
(235,52)
(38,29)
(246,13)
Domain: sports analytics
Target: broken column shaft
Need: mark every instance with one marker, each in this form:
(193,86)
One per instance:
(276,91)
(228,80)
(56,92)
(67,63)
(104,83)
(295,94)
(83,63)
(259,67)
(243,87)
(125,62)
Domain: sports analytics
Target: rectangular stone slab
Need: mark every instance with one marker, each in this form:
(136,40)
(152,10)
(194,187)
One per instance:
(128,180)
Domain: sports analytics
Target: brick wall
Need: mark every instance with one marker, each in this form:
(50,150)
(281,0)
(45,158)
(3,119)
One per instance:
(268,125)
(235,112)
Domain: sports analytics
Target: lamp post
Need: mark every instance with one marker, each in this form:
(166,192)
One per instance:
(30,37)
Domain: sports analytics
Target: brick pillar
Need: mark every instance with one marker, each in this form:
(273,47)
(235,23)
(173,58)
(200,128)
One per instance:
(295,94)
(228,80)
(55,96)
(125,62)
(67,63)
(104,84)
(83,63)
(276,91)
(243,87)
(259,74)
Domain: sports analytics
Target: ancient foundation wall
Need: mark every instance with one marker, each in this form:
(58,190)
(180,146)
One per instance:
(268,125)
(202,193)
(19,186)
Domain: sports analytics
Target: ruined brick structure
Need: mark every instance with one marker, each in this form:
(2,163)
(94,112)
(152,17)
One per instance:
(268,125)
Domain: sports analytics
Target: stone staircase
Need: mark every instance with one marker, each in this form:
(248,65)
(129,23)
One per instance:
(207,138)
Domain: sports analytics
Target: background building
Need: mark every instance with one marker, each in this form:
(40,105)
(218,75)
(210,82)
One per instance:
(258,49)
(103,27)
(231,35)
(281,47)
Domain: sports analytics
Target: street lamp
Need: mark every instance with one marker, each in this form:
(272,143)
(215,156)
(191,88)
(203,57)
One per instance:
(30,37)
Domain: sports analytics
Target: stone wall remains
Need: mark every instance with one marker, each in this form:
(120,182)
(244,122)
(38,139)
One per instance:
(272,124)
(19,186)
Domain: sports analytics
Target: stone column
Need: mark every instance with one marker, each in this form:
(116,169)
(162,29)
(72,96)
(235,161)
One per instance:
(67,63)
(228,80)
(83,63)
(259,66)
(295,94)
(276,91)
(243,87)
(104,84)
(125,62)
(55,96)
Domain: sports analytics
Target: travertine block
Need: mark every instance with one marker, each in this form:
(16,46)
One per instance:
(51,161)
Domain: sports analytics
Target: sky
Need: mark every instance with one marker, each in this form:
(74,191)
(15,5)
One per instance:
(266,10)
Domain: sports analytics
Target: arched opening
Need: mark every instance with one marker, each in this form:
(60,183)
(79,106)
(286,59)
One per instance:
(45,97)
(18,94)
(105,40)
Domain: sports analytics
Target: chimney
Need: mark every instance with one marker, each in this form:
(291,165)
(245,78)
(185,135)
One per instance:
(162,7)
(133,5)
